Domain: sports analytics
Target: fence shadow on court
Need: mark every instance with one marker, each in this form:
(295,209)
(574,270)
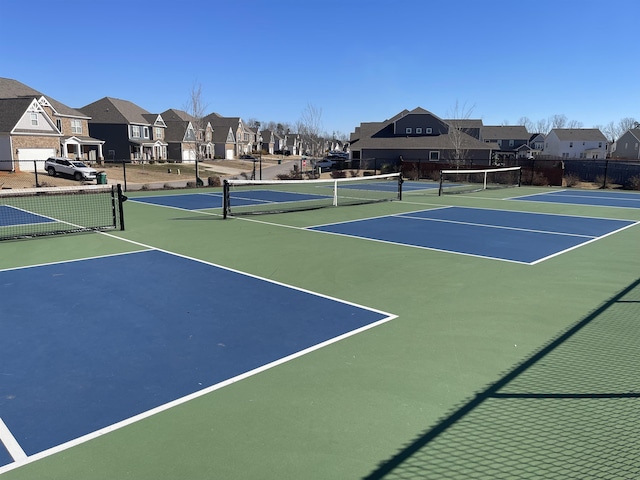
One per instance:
(572,410)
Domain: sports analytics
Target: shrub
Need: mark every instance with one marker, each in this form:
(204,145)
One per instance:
(412,173)
(213,181)
(633,183)
(571,180)
(338,174)
(539,180)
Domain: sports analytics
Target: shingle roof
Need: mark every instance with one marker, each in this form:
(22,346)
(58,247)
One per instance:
(10,88)
(505,132)
(11,111)
(575,134)
(116,111)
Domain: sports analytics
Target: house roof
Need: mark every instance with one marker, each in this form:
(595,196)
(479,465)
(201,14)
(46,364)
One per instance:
(505,132)
(10,88)
(380,135)
(11,111)
(115,111)
(576,134)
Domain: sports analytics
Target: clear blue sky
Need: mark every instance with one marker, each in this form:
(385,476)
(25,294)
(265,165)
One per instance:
(355,60)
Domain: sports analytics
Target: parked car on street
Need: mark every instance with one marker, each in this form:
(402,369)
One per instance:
(325,164)
(65,166)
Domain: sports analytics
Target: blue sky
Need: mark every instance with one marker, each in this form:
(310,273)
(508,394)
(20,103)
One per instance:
(354,60)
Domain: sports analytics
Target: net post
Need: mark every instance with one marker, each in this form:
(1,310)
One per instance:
(225,199)
(335,193)
(520,177)
(400,181)
(121,200)
(440,186)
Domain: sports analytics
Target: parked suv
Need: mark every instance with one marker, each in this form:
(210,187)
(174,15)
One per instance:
(74,168)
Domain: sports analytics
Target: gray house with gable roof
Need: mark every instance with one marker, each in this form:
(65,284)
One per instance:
(416,135)
(129,132)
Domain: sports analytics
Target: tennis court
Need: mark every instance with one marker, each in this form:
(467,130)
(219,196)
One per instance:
(465,336)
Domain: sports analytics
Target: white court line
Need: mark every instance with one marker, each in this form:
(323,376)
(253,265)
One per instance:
(499,227)
(11,444)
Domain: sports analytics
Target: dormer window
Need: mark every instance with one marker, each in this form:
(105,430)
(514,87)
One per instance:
(428,130)
(34,119)
(408,130)
(419,130)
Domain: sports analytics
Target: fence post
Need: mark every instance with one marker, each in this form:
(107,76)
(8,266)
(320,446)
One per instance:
(124,174)
(606,167)
(35,171)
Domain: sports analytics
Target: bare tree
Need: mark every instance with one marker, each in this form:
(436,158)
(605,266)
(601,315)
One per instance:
(528,124)
(543,126)
(558,121)
(625,124)
(196,108)
(460,139)
(310,128)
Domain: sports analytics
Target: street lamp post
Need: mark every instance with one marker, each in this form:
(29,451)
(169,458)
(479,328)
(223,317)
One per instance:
(260,147)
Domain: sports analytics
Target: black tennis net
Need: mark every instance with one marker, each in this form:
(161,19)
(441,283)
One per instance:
(32,212)
(467,180)
(251,197)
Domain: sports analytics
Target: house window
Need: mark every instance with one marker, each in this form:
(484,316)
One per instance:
(146,132)
(599,144)
(419,130)
(34,119)
(428,130)
(158,133)
(408,130)
(76,126)
(570,144)
(135,131)
(511,143)
(59,124)
(434,156)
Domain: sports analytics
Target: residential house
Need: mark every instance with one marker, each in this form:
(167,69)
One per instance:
(293,144)
(628,145)
(267,141)
(72,125)
(185,135)
(417,135)
(508,138)
(232,137)
(27,134)
(129,131)
(578,143)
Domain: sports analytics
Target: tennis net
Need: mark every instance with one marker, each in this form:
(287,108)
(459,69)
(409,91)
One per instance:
(465,181)
(250,197)
(32,212)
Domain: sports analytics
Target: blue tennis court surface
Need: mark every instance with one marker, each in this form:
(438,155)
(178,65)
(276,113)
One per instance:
(75,361)
(498,234)
(602,198)
(12,216)
(203,201)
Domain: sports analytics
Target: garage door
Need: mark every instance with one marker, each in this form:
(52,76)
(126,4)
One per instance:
(26,156)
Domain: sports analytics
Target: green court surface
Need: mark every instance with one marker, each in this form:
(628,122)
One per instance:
(491,369)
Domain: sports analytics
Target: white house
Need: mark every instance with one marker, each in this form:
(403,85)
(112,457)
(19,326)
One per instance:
(585,143)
